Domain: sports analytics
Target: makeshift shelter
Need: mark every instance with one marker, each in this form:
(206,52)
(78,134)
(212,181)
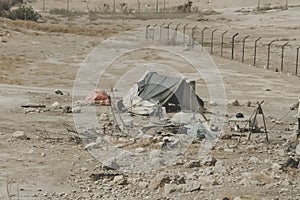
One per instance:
(173,93)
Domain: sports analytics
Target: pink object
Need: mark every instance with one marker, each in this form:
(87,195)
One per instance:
(98,97)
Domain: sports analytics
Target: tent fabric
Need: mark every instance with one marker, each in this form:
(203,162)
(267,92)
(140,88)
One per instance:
(157,88)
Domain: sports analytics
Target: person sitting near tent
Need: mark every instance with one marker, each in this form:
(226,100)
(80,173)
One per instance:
(293,107)
(120,106)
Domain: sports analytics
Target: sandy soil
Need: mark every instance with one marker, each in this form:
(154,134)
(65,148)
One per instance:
(39,58)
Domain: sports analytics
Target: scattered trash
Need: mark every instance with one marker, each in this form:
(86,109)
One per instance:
(76,109)
(248,104)
(235,103)
(20,135)
(291,162)
(213,103)
(67,109)
(239,115)
(98,97)
(33,106)
(59,92)
(55,105)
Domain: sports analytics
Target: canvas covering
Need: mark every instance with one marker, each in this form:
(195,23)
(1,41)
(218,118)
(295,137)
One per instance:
(156,88)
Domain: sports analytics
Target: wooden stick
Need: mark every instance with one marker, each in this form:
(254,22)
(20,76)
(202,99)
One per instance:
(33,106)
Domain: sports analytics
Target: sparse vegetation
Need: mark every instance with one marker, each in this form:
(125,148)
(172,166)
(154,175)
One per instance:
(5,5)
(23,13)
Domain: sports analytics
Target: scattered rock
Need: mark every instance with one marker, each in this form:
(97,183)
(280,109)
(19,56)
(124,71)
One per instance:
(209,161)
(76,109)
(67,109)
(143,184)
(298,150)
(248,104)
(192,186)
(55,105)
(111,164)
(235,103)
(159,181)
(169,188)
(276,167)
(192,164)
(213,103)
(254,160)
(291,162)
(120,180)
(20,135)
(104,117)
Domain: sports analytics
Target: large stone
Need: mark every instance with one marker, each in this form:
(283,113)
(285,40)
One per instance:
(209,161)
(192,186)
(298,150)
(159,181)
(254,160)
(20,135)
(120,180)
(192,164)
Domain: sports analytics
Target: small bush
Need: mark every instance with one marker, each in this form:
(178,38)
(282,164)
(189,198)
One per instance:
(24,13)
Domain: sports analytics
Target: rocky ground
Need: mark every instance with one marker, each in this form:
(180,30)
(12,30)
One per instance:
(42,156)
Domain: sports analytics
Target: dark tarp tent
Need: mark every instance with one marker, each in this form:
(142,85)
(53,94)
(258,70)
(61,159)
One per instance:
(174,93)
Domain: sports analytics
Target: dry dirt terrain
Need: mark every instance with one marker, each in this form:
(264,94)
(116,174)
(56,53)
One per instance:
(43,157)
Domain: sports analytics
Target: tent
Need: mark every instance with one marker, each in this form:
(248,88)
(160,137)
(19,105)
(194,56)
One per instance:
(174,93)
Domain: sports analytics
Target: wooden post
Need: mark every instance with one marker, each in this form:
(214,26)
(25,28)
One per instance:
(164,6)
(156,7)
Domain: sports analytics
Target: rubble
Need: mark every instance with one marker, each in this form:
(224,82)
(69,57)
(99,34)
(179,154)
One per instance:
(209,161)
(20,135)
(159,181)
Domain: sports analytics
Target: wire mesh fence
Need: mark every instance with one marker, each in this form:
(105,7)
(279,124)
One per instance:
(276,54)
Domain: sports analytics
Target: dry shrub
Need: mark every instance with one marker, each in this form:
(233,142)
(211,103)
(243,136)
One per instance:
(72,29)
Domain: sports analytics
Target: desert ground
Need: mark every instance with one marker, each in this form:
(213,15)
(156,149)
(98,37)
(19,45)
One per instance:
(43,155)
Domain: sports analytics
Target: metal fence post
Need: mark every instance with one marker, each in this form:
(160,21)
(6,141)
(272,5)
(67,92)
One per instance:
(255,46)
(160,29)
(202,37)
(232,45)
(269,52)
(282,55)
(193,35)
(147,31)
(212,41)
(153,31)
(176,29)
(168,29)
(222,42)
(297,60)
(184,27)
(244,41)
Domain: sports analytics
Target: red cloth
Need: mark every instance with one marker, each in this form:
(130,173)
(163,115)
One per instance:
(99,97)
